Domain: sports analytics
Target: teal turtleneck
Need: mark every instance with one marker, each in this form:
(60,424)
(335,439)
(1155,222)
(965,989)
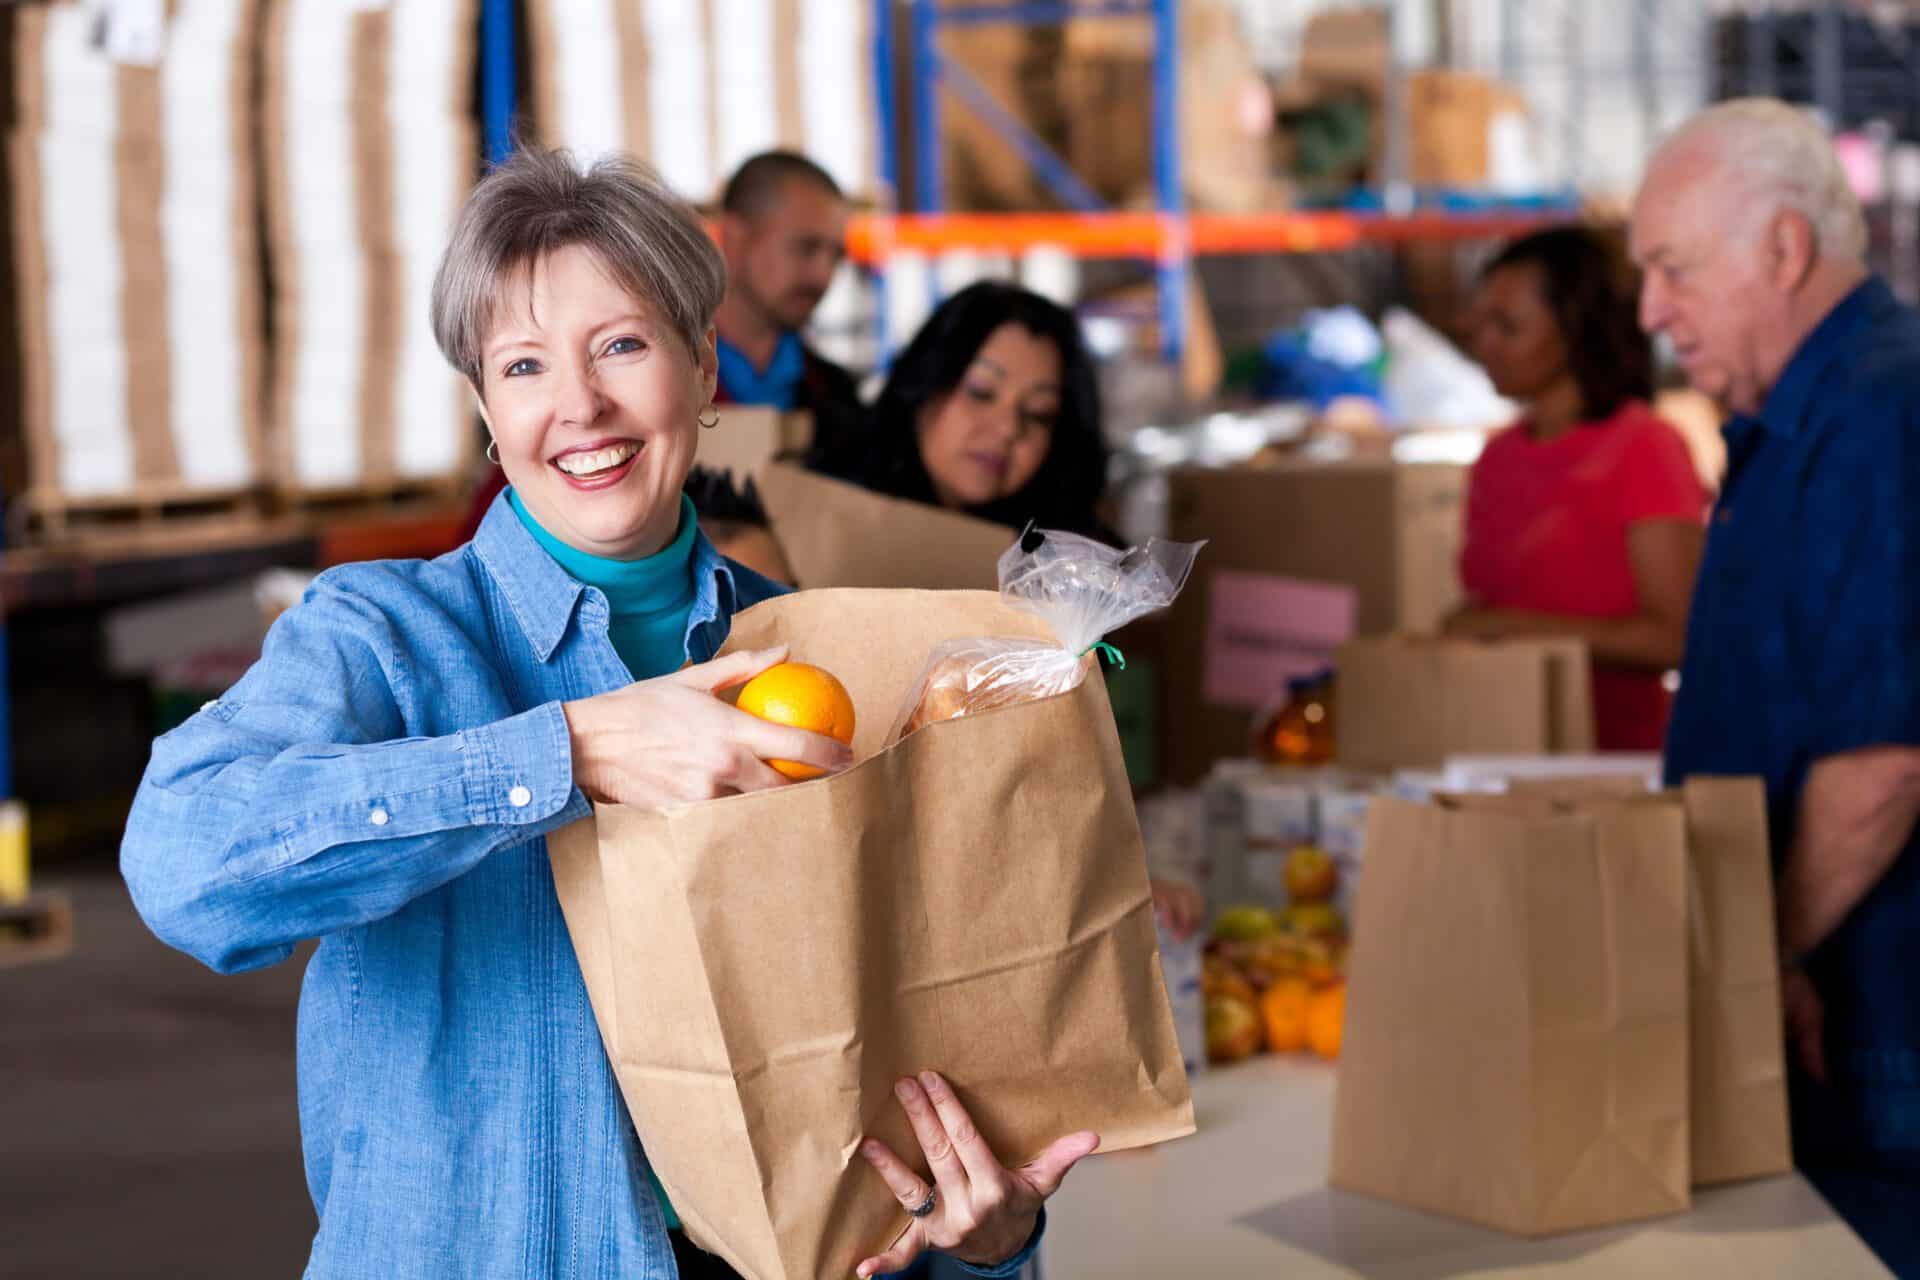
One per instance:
(649,599)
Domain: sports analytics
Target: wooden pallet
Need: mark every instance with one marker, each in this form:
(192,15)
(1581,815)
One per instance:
(373,500)
(163,517)
(38,927)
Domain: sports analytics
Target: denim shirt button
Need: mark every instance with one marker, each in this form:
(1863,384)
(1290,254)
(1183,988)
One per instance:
(520,797)
(378,817)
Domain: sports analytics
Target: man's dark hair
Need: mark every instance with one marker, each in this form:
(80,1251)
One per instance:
(757,184)
(1588,286)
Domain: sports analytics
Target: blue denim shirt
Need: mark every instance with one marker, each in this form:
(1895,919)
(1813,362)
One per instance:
(383,780)
(1804,642)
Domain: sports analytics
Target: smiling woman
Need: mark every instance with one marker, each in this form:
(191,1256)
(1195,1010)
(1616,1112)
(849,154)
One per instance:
(384,778)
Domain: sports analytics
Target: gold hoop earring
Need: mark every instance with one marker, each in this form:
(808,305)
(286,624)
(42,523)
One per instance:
(710,425)
(493,452)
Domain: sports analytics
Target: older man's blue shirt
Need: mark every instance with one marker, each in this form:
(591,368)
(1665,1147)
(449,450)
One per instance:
(1804,641)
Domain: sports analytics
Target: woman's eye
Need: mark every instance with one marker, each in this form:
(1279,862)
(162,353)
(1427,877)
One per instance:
(625,346)
(982,395)
(1042,421)
(520,368)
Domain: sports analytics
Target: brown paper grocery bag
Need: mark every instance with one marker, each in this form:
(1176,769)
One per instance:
(1515,1050)
(1738,1095)
(840,535)
(1740,1126)
(972,900)
(1409,702)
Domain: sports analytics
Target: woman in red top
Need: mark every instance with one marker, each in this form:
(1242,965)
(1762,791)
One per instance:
(1585,518)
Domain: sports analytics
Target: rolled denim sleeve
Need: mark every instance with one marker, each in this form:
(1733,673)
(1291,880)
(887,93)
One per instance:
(295,807)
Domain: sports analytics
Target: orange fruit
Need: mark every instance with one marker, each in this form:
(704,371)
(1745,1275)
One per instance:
(804,697)
(1284,1010)
(1233,1029)
(1326,1015)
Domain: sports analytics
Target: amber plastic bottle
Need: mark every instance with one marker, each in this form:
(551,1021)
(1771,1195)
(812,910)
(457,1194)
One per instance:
(1301,731)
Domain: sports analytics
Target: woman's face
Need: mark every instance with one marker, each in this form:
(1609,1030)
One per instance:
(594,401)
(987,438)
(1512,332)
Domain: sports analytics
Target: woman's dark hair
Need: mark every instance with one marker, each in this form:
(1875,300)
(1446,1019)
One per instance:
(1589,287)
(1063,493)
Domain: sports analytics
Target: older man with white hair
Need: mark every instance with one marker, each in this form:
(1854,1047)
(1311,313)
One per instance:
(1803,648)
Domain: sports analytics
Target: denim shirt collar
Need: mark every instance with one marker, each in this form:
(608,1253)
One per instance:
(544,597)
(1792,394)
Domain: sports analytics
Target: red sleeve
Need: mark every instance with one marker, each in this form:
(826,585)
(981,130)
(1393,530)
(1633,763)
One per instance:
(1485,533)
(1657,480)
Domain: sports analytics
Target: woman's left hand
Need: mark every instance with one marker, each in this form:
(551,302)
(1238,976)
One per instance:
(983,1213)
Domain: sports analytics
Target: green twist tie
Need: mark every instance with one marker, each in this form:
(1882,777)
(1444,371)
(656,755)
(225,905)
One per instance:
(1111,654)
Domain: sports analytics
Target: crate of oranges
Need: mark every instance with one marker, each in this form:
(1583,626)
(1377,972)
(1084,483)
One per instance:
(1275,981)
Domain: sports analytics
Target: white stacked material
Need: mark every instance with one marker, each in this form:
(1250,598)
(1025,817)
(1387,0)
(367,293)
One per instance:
(370,148)
(694,87)
(136,257)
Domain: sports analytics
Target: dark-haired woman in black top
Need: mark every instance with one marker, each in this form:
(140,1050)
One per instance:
(993,410)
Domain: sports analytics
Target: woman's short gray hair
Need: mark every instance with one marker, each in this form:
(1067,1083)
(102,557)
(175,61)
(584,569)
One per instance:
(538,201)
(1787,159)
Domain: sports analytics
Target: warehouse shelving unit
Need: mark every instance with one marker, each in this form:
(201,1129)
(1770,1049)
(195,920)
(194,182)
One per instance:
(1168,248)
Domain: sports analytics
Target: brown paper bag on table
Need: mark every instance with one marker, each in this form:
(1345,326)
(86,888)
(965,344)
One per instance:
(840,535)
(973,900)
(1409,702)
(1738,1094)
(1515,1050)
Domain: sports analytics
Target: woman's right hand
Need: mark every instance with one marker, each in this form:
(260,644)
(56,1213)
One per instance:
(671,741)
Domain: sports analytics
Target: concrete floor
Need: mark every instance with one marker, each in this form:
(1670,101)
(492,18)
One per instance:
(147,1116)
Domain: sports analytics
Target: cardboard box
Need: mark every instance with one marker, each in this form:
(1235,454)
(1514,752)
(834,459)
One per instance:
(1387,534)
(749,436)
(1257,814)
(1344,49)
(1226,110)
(1410,702)
(1452,117)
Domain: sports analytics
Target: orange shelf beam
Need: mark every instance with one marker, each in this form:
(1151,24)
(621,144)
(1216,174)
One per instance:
(872,237)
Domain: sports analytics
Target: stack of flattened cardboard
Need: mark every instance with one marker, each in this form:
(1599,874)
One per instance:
(370,148)
(132,190)
(694,87)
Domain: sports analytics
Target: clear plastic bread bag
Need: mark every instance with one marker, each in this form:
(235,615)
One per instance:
(1085,590)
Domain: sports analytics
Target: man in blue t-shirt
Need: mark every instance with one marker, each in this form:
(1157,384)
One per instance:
(783,230)
(1803,646)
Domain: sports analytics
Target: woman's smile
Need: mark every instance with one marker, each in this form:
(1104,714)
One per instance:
(598,464)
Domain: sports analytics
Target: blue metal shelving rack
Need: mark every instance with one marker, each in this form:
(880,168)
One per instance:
(933,73)
(499,75)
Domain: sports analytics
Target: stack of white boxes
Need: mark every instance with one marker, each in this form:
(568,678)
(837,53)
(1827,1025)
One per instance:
(370,149)
(1257,814)
(132,175)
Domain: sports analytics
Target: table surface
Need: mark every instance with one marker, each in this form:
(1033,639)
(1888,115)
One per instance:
(1247,1196)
